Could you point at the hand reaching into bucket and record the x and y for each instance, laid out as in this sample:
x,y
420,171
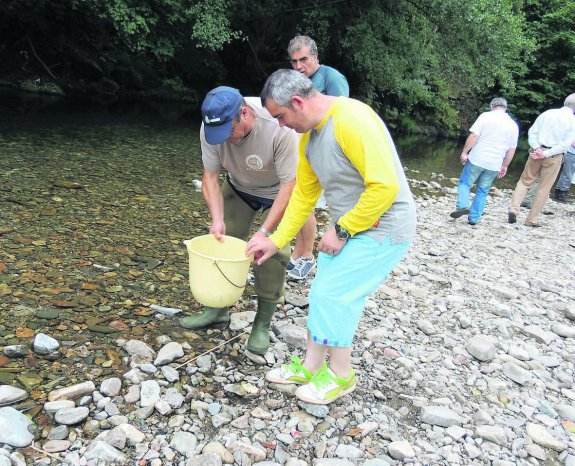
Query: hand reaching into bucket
x,y
261,247
218,229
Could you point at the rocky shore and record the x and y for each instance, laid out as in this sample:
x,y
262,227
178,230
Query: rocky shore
x,y
465,356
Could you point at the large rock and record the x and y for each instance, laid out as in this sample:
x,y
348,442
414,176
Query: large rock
x,y
14,428
481,347
541,436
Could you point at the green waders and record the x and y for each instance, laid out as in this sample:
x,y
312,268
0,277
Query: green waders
x,y
269,278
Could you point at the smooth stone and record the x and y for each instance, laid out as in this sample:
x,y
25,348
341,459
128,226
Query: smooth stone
x,y
481,347
101,451
111,387
541,436
516,373
320,411
55,446
207,459
71,416
170,374
400,450
184,443
564,330
348,451
10,395
133,435
14,428
140,349
149,393
169,353
542,336
44,344
132,395
294,336
566,412
495,434
241,320
536,451
16,351
54,406
220,450
440,416
58,433
72,392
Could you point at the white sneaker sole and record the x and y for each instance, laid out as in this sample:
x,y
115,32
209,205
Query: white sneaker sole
x,y
273,378
301,395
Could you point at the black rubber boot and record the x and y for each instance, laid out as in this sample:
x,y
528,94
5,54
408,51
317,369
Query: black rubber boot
x,y
208,316
561,196
259,340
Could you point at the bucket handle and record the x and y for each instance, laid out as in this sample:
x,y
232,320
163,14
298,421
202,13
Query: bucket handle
x,y
229,281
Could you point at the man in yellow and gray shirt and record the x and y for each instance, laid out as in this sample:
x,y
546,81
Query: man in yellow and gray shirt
x,y
347,150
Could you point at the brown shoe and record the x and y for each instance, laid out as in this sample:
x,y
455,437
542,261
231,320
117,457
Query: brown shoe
x,y
532,225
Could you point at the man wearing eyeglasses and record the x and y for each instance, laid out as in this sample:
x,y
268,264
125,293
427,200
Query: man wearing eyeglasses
x,y
302,51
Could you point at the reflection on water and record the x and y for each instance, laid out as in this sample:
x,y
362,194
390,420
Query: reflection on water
x,y
135,127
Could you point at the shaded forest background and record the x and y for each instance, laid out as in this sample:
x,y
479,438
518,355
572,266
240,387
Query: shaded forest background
x,y
425,65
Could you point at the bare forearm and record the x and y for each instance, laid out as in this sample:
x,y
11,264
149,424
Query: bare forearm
x,y
469,143
508,158
213,197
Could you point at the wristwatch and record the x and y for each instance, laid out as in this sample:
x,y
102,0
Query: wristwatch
x,y
341,232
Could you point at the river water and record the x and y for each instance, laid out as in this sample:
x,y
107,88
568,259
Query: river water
x,y
95,202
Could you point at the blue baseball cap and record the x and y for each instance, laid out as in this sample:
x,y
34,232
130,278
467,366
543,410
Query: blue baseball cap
x,y
219,109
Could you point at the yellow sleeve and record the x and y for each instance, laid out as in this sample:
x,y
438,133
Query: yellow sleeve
x,y
365,142
302,201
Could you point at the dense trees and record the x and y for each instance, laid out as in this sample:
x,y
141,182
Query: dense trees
x,y
423,63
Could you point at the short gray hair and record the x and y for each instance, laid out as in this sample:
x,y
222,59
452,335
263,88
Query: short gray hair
x,y
570,102
298,42
498,102
283,84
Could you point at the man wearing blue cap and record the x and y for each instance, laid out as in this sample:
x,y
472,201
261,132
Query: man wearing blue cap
x,y
260,158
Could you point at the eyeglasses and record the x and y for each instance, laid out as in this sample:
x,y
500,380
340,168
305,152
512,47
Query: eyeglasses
x,y
294,61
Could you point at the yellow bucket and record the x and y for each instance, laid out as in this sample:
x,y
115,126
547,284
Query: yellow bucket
x,y
218,269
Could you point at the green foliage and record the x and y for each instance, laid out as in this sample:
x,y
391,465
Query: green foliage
x,y
212,27
427,57
424,64
550,75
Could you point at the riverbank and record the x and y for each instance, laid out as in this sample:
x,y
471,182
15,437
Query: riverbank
x,y
464,356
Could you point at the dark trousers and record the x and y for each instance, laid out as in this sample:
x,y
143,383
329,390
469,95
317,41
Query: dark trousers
x,y
239,217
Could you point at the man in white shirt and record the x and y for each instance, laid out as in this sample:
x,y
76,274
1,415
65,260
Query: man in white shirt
x,y
487,153
549,138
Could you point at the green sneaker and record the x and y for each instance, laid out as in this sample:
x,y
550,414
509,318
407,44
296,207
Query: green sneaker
x,y
325,387
290,373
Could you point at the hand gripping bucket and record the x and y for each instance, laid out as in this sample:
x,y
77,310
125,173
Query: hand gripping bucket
x,y
218,269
